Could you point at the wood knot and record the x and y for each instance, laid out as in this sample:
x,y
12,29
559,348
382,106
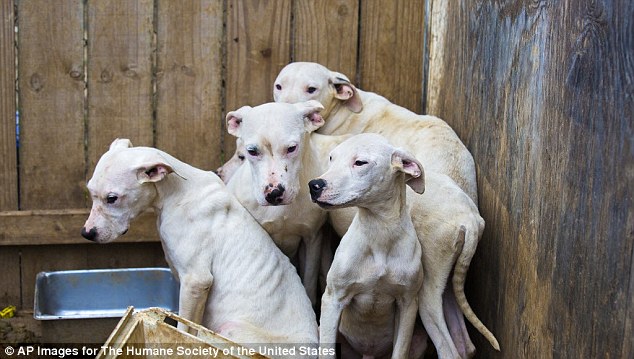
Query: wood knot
x,y
266,52
186,70
129,71
36,82
76,73
105,76
342,10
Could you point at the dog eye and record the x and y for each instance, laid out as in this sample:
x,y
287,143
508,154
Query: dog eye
x,y
292,149
253,151
311,89
278,86
360,163
111,198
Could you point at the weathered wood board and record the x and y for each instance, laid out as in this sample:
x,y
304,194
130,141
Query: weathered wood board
x,y
189,81
120,83
391,50
327,32
541,93
8,156
51,100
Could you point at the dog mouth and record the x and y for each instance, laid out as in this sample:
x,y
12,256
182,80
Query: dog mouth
x,y
323,204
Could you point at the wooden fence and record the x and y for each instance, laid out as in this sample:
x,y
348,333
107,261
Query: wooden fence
x,y
541,93
162,73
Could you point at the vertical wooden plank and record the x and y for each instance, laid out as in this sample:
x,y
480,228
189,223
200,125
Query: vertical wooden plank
x,y
120,45
391,50
628,344
51,60
326,32
189,80
541,94
10,276
258,46
8,156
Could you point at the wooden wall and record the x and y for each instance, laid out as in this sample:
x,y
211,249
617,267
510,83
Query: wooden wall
x,y
542,94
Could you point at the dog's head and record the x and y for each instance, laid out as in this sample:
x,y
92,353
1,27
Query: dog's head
x,y
365,169
275,136
303,81
227,170
122,186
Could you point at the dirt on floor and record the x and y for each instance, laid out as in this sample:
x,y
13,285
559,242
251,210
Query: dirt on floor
x,y
18,330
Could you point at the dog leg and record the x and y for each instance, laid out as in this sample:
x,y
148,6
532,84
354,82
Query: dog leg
x,y
431,312
192,297
404,329
331,309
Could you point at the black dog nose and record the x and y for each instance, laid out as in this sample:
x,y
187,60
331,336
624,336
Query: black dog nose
x,y
90,235
275,196
316,187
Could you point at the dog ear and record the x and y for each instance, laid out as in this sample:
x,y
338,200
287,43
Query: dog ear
x,y
310,110
153,172
408,164
120,143
346,92
234,120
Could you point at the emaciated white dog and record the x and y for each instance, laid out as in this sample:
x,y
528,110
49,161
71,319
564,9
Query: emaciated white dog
x,y
282,155
373,284
233,279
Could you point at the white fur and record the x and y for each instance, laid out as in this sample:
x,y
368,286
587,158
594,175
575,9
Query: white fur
x,y
448,226
269,131
349,110
233,279
373,284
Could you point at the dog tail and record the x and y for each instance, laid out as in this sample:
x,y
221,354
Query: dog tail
x,y
460,273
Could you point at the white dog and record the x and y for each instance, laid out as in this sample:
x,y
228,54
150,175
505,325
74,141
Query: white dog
x,y
282,156
233,279
373,284
449,226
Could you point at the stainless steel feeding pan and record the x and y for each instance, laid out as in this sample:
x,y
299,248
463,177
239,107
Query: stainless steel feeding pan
x,y
84,306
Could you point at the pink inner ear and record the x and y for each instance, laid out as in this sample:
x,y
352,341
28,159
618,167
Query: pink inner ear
x,y
344,92
157,173
233,124
411,168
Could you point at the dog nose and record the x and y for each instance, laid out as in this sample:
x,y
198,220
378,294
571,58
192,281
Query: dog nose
x,y
316,187
89,235
275,196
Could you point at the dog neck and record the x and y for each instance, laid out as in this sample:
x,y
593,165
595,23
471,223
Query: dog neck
x,y
389,209
184,178
312,162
